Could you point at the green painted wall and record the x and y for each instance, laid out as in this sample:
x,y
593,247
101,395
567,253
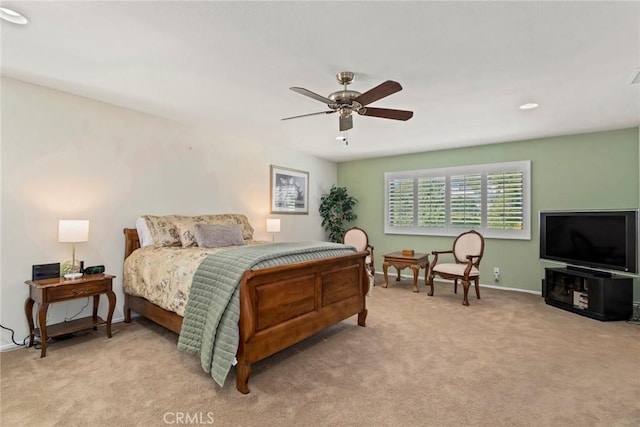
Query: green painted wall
x,y
589,171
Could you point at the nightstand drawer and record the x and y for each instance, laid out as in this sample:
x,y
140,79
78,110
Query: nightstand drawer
x,y
72,291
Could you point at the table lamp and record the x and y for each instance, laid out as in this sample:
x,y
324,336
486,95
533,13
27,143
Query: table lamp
x,y
273,226
73,231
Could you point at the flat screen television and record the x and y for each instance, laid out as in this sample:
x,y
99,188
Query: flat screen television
x,y
605,240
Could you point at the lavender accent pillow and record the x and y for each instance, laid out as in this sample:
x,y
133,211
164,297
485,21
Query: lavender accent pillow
x,y
218,235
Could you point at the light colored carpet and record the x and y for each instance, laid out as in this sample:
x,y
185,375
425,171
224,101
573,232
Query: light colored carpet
x,y
506,360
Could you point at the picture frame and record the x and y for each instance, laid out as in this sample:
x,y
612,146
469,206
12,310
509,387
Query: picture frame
x,y
289,191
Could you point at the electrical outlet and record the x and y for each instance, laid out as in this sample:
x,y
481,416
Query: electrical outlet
x,y
496,273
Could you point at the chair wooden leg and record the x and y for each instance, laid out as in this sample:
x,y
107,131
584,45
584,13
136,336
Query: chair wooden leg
x,y
455,286
430,284
465,285
477,283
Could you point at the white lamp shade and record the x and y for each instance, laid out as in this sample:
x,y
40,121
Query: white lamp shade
x,y
273,225
73,230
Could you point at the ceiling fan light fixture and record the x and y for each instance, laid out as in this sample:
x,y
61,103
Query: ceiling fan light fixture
x,y
346,101
12,16
529,106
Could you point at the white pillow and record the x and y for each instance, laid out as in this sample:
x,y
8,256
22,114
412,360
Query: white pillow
x,y
144,234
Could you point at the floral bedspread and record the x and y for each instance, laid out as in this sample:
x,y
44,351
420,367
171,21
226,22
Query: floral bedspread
x,y
164,275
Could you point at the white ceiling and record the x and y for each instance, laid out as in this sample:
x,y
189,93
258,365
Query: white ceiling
x,y
465,66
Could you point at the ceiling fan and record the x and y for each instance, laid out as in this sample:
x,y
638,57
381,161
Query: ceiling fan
x,y
347,101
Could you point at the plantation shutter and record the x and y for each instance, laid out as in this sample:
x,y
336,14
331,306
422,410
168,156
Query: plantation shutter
x,y
401,202
432,202
505,201
466,200
493,199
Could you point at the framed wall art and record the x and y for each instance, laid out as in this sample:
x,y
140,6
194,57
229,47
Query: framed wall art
x,y
289,191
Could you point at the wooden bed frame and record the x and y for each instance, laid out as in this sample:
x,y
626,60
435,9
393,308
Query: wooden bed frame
x,y
279,306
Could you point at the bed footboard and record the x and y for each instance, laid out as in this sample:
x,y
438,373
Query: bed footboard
x,y
279,306
283,305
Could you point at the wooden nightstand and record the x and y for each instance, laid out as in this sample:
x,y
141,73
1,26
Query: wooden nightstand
x,y
48,291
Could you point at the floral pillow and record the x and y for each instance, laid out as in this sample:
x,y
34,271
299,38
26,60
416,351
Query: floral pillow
x,y
162,229
243,222
240,219
179,230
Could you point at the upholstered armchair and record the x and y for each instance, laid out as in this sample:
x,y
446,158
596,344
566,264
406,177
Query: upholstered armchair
x,y
467,252
359,239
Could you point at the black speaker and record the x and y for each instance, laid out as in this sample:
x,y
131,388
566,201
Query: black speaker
x,y
45,271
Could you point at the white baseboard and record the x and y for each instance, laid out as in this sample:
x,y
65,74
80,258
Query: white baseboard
x,y
502,288
12,346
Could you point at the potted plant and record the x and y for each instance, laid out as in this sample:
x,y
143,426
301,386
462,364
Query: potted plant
x,y
336,208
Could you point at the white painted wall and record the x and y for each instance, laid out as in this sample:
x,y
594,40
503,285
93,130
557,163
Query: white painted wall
x,y
68,157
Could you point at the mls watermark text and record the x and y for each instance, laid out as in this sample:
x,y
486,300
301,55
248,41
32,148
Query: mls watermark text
x,y
188,418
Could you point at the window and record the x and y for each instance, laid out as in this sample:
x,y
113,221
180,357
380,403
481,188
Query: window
x,y
493,199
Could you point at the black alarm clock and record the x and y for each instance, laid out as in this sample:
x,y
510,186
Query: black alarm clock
x,y
94,269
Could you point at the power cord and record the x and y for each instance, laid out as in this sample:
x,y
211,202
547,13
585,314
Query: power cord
x,y
36,340
78,313
635,315
24,342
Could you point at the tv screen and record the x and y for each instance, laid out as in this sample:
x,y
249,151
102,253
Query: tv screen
x,y
601,240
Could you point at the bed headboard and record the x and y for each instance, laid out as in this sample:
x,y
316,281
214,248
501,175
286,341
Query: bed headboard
x,y
131,241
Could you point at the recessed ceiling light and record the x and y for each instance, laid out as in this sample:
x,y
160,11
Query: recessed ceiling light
x,y
528,106
13,16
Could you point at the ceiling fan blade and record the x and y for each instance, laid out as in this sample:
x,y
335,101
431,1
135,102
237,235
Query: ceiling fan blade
x,y
310,114
384,89
346,122
307,92
386,113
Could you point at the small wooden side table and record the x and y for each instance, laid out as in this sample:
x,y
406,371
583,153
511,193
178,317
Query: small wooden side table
x,y
399,261
48,291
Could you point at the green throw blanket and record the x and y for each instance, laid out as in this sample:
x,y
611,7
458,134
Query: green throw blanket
x,y
210,324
